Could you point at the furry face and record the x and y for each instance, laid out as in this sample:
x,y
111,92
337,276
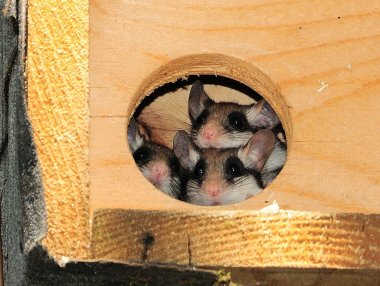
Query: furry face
x,y
226,124
156,162
223,176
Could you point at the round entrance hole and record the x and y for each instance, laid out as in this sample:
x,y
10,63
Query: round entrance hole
x,y
209,130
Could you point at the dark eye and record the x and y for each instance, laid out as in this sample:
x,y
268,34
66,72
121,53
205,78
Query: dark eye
x,y
202,118
142,155
234,168
238,121
199,170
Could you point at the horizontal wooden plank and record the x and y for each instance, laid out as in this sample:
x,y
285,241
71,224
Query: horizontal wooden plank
x,y
238,238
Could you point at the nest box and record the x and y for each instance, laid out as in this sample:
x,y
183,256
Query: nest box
x,y
317,64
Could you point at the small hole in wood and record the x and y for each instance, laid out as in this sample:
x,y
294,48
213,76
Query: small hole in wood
x,y
209,139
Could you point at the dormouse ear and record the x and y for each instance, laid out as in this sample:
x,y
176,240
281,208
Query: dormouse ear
x,y
198,100
262,115
136,134
184,150
256,152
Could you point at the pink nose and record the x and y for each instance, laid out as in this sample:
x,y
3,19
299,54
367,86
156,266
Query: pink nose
x,y
159,172
212,191
209,133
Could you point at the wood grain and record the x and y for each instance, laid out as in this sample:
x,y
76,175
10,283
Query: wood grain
x,y
319,68
332,169
57,71
238,238
333,157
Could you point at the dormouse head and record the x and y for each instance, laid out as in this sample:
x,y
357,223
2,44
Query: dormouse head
x,y
223,176
226,124
157,162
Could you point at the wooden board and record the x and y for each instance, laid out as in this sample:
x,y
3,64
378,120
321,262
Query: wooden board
x,y
238,238
57,76
318,68
329,129
321,77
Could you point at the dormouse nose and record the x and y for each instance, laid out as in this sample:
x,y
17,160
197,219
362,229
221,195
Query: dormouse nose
x,y
159,171
213,188
209,132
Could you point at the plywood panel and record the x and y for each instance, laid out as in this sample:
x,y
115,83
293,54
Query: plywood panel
x,y
333,160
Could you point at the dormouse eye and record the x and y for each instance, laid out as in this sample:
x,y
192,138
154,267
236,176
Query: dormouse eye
x,y
199,170
238,121
234,168
202,118
142,155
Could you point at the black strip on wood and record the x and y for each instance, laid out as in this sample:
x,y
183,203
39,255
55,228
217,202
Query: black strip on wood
x,y
43,271
22,208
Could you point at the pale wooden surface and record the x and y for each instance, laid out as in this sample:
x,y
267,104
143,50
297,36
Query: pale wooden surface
x,y
333,161
57,74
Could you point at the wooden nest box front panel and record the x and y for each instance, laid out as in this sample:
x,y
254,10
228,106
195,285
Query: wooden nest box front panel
x,y
317,64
